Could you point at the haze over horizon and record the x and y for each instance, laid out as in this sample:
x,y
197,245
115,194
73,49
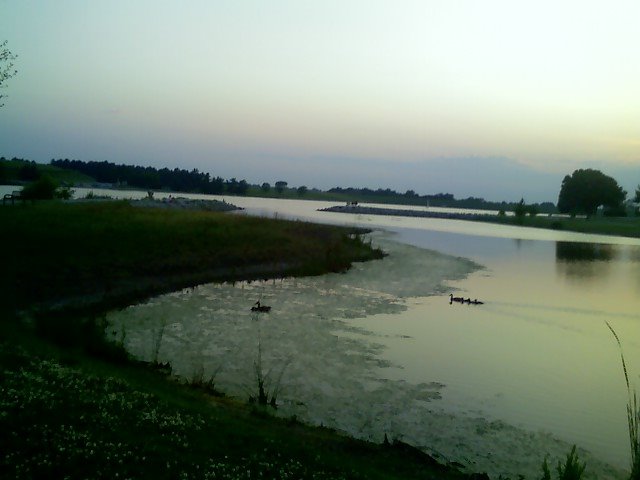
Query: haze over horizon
x,y
492,99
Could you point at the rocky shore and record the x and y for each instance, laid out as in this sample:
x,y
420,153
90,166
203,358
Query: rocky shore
x,y
182,203
406,213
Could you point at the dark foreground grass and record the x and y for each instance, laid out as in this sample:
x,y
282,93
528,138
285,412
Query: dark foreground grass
x,y
66,415
74,406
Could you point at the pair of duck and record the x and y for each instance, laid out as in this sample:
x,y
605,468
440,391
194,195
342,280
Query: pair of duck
x,y
468,301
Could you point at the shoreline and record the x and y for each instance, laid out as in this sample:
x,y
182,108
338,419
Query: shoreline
x,y
626,227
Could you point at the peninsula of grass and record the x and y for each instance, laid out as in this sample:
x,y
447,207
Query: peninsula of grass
x,y
74,406
88,254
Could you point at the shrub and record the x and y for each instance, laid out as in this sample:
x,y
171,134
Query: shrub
x,y
42,189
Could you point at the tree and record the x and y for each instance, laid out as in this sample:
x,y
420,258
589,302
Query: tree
x,y
637,198
586,189
302,190
280,186
520,210
266,187
6,67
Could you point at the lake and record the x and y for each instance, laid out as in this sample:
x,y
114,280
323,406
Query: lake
x,y
380,350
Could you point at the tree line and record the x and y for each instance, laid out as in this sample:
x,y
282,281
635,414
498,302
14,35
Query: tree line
x,y
438,199
151,178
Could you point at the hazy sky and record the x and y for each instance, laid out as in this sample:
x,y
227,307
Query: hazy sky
x,y
498,99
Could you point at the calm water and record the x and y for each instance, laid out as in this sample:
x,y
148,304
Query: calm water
x,y
535,364
538,353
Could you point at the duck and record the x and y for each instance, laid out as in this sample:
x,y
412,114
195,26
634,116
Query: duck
x,y
477,302
260,308
455,299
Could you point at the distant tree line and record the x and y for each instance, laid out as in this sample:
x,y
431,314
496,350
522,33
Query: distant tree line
x,y
151,178
438,199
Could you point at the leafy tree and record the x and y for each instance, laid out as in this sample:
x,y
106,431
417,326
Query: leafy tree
x,y
6,66
280,186
586,189
637,198
302,190
265,187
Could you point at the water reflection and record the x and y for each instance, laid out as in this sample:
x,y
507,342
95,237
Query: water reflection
x,y
573,252
584,262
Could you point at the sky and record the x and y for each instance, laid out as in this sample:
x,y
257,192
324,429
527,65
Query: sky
x,y
498,99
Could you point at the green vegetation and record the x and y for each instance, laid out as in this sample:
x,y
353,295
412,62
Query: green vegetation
x,y
114,252
620,226
66,414
572,469
633,415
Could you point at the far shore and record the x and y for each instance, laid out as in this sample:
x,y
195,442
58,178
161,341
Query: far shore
x,y
615,226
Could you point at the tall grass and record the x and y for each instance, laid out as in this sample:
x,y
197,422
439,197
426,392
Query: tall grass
x,y
572,469
633,414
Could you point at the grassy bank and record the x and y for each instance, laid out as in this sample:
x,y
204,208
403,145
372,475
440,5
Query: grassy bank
x,y
74,406
109,252
619,226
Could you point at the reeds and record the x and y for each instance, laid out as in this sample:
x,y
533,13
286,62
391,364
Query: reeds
x,y
633,414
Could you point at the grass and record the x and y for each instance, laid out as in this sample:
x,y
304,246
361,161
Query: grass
x,y
619,226
633,415
112,252
64,414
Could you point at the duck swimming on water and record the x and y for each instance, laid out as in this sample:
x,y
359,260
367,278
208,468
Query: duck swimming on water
x,y
260,308
455,299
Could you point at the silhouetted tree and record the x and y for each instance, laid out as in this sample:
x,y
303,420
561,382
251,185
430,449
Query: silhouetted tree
x,y
6,67
302,190
265,187
280,186
586,189
637,197
520,210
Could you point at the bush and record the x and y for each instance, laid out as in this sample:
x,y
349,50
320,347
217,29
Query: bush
x,y
42,189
